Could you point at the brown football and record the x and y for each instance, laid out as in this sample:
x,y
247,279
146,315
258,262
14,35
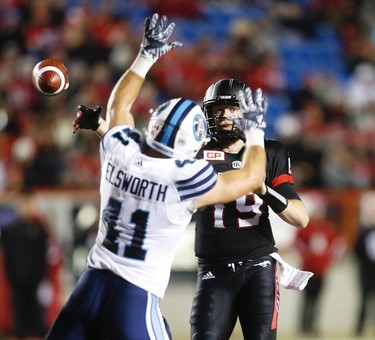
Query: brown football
x,y
50,77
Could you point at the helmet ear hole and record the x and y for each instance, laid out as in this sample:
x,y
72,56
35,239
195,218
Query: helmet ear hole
x,y
212,122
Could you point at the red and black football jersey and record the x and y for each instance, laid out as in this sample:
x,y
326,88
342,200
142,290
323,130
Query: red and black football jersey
x,y
241,228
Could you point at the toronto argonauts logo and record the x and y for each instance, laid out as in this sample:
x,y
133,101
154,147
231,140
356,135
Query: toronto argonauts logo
x,y
199,128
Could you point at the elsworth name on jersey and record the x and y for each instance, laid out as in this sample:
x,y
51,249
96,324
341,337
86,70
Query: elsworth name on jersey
x,y
135,185
146,205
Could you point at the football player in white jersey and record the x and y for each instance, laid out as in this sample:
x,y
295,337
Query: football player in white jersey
x,y
149,190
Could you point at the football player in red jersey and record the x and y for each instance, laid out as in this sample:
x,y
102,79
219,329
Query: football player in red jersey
x,y
233,242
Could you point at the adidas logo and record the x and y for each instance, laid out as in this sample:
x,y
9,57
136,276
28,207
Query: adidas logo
x,y
208,276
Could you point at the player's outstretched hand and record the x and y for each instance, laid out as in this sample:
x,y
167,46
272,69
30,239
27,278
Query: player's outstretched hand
x,y
254,111
155,39
87,118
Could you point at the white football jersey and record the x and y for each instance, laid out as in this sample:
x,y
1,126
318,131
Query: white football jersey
x,y
146,204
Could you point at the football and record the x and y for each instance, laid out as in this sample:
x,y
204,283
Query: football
x,y
50,77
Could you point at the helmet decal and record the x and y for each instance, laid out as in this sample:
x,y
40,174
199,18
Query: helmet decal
x,y
199,128
225,97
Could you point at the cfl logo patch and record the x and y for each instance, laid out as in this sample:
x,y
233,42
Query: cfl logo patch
x,y
214,155
236,164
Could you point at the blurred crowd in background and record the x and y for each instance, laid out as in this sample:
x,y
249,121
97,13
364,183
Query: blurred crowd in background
x,y
313,58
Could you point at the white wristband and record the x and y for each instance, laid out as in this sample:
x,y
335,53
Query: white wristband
x,y
254,137
141,65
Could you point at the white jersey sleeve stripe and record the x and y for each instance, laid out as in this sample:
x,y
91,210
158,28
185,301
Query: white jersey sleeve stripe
x,y
207,168
193,194
197,185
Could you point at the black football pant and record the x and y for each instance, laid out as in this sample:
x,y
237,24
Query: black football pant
x,y
244,289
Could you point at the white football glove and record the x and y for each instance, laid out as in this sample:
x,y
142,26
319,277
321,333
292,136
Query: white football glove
x,y
254,112
156,34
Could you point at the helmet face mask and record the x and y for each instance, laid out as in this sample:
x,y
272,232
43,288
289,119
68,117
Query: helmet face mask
x,y
225,129
177,128
223,92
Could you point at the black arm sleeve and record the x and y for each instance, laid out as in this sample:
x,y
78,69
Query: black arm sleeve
x,y
287,190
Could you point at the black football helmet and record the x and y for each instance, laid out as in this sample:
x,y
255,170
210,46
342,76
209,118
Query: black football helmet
x,y
224,91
